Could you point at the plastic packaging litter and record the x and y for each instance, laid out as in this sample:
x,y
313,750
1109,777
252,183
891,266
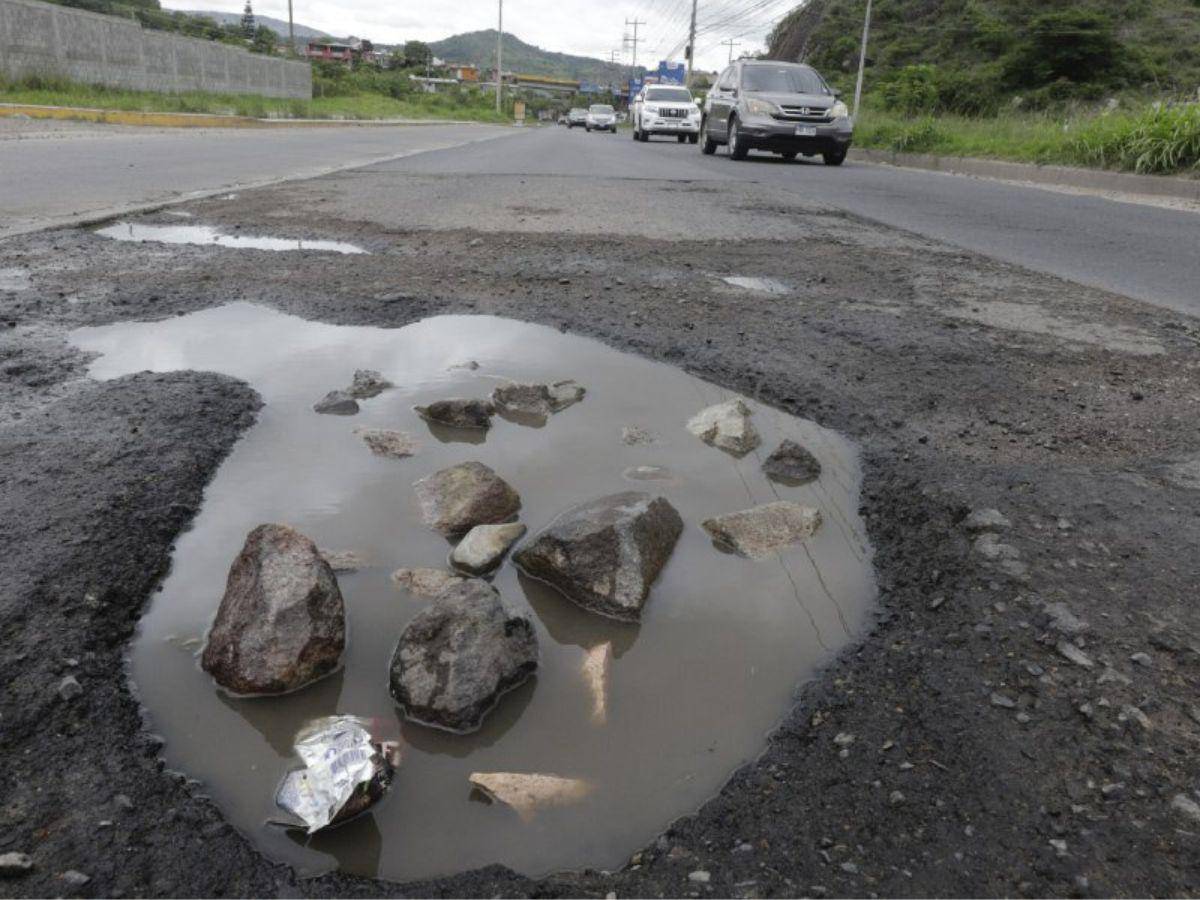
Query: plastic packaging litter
x,y
344,774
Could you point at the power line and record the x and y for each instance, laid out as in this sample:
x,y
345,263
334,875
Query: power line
x,y
731,43
634,41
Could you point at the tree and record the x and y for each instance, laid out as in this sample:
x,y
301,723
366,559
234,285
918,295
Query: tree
x,y
417,53
1076,45
248,22
265,41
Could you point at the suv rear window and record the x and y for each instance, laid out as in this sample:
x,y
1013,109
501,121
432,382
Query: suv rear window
x,y
782,80
678,95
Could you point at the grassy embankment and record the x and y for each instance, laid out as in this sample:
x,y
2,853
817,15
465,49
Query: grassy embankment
x,y
1153,140
343,101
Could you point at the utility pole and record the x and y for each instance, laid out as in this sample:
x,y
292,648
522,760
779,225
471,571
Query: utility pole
x,y
691,47
731,43
500,56
635,40
291,30
862,60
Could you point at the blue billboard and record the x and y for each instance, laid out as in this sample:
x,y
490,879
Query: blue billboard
x,y
671,73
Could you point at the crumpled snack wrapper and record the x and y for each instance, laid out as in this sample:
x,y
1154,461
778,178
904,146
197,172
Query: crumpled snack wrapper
x,y
344,773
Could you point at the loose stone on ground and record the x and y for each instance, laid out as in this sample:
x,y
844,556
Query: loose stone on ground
x,y
726,426
604,555
457,657
282,622
762,530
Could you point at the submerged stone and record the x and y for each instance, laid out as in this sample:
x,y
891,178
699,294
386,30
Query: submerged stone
x,y
282,622
392,444
726,426
760,531
604,555
337,403
528,792
368,383
475,414
425,582
792,464
456,499
537,400
483,547
459,655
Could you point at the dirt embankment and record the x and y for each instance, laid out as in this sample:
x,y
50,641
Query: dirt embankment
x,y
958,749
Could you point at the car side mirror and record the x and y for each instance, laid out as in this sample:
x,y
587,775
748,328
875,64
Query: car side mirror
x,y
733,92
837,95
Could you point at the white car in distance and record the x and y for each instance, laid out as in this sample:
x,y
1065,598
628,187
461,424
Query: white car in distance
x,y
601,117
665,109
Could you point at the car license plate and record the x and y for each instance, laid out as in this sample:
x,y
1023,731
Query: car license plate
x,y
806,131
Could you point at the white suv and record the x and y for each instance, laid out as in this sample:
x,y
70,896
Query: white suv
x,y
664,109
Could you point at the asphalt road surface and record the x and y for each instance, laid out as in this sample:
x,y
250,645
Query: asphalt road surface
x,y
67,172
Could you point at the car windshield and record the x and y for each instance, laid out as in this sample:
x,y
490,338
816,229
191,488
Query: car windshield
x,y
578,111
679,95
601,109
782,80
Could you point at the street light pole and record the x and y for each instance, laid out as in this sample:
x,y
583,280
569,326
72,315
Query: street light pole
x,y
291,30
862,60
691,47
500,56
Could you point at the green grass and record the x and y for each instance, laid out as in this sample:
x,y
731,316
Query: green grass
x,y
1154,140
364,105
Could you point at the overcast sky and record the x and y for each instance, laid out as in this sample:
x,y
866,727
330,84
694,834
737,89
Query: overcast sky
x,y
584,27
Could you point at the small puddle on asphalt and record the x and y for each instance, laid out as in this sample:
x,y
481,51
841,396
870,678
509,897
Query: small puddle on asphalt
x,y
207,236
757,283
691,692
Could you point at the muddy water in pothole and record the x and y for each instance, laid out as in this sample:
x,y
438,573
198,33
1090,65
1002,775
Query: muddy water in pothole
x,y
206,235
692,692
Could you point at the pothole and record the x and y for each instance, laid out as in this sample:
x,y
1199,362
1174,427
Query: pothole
x,y
688,695
207,236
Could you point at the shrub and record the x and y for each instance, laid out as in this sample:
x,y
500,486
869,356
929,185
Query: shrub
x,y
1162,139
912,90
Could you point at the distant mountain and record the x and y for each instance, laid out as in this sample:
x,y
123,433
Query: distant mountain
x,y
479,47
279,26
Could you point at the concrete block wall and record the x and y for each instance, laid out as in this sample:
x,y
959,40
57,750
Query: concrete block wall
x,y
45,39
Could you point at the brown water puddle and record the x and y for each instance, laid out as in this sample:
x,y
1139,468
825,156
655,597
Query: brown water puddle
x,y
691,693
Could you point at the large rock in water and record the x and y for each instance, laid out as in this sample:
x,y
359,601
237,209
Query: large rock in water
x,y
604,555
760,531
792,464
727,426
282,622
484,547
459,655
474,414
456,499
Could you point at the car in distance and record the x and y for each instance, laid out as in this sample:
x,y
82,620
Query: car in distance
x,y
664,109
577,116
780,107
601,117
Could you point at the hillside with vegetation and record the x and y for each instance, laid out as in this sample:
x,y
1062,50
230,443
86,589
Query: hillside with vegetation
x,y
479,47
979,55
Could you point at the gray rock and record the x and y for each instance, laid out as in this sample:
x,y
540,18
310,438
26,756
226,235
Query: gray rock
x,y
1062,620
459,655
604,555
74,879
986,520
424,582
392,444
536,400
565,393
1136,716
475,414
727,426
699,877
69,688
1001,700
343,560
14,865
1142,659
896,798
367,383
484,546
1186,806
635,435
989,547
1074,654
337,403
791,464
282,622
760,531
456,499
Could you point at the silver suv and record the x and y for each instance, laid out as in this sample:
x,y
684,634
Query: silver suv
x,y
780,107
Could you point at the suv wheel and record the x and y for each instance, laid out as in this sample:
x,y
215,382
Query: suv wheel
x,y
836,158
737,149
644,136
707,145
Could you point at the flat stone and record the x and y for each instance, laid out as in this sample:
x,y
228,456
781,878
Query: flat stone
x,y
566,393
1062,620
343,560
762,530
424,582
337,403
792,465
456,499
1186,806
597,664
69,688
458,655
699,877
986,520
536,400
604,555
282,621
727,426
392,444
635,435
1070,652
14,865
474,414
367,383
989,547
484,546
527,793
74,878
